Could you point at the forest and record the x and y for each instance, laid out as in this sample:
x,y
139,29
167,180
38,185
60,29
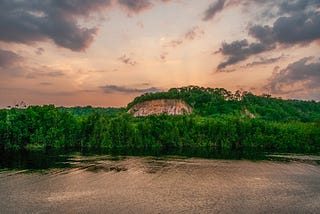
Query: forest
x,y
220,119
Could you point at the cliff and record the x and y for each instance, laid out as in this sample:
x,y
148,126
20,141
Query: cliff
x,y
160,106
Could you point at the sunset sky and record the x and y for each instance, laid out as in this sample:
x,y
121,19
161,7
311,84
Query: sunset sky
x,y
106,52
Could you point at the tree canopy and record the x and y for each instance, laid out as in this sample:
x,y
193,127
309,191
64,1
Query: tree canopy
x,y
220,119
214,102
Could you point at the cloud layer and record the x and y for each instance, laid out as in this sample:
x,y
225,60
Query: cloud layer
x,y
36,20
135,6
295,29
213,9
30,21
304,73
298,23
264,61
108,89
240,50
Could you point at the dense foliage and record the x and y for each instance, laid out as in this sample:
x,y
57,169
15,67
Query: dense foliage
x,y
214,102
219,120
86,111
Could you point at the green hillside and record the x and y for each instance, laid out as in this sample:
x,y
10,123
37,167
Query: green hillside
x,y
220,119
216,102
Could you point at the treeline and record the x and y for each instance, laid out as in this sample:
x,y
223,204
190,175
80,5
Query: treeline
x,y
42,127
214,102
85,111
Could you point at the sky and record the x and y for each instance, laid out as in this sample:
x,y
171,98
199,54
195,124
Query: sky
x,y
106,52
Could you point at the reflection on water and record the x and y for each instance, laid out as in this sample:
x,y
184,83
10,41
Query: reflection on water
x,y
32,160
158,182
37,160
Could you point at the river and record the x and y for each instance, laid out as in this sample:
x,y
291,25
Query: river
x,y
161,184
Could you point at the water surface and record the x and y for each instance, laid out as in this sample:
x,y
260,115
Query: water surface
x,y
161,184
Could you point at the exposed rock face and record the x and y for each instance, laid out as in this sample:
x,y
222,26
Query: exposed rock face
x,y
161,106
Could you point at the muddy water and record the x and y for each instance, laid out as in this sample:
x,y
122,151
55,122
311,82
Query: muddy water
x,y
104,184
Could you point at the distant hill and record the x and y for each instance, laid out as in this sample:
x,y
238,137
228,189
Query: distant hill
x,y
216,102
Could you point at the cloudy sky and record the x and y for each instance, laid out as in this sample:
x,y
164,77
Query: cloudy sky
x,y
106,52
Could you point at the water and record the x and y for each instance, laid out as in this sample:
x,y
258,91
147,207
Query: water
x,y
87,182
38,160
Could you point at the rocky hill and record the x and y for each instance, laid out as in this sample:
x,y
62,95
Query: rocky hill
x,y
160,106
219,102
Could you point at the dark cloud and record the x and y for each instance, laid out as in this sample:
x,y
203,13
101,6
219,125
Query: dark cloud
x,y
138,6
301,28
264,61
298,24
221,5
304,73
262,33
108,89
194,33
296,29
78,7
213,9
135,6
240,50
29,21
127,60
270,8
8,58
297,6
61,21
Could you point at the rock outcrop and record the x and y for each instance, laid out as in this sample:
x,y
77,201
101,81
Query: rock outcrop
x,y
160,106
